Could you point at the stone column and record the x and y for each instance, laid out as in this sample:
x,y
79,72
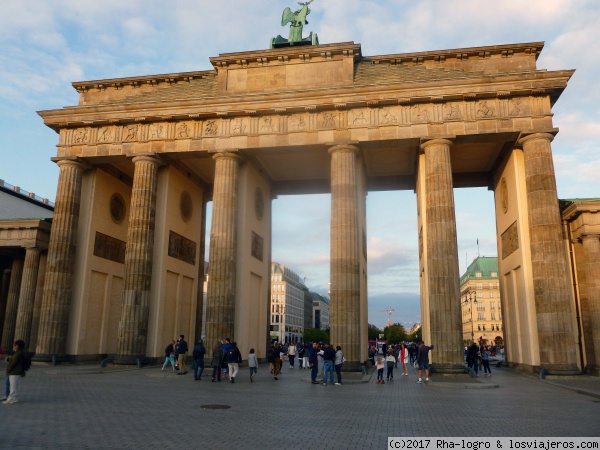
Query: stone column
x,y
12,305
344,315
220,302
552,294
27,295
442,254
4,297
56,300
590,302
37,304
133,326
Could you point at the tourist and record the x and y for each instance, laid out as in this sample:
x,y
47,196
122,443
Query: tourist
x,y
404,359
225,344
281,356
305,363
275,359
485,361
198,355
339,360
300,356
169,356
252,364
328,362
292,354
14,371
313,362
380,365
391,362
181,349
233,358
216,361
473,356
423,360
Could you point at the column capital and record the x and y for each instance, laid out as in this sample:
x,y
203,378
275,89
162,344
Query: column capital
x,y
229,154
149,157
71,161
347,147
534,136
436,141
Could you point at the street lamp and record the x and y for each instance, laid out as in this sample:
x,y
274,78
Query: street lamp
x,y
471,298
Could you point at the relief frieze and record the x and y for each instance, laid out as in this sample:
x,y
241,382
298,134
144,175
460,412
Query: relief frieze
x,y
211,128
388,116
157,131
484,110
359,118
182,248
420,114
510,240
183,131
108,247
268,125
105,134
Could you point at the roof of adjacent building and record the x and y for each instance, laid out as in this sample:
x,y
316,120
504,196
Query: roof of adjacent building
x,y
17,204
485,265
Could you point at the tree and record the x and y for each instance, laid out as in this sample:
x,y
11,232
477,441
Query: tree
x,y
395,333
417,336
315,335
373,332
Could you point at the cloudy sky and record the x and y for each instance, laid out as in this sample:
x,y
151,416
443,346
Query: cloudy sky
x,y
46,45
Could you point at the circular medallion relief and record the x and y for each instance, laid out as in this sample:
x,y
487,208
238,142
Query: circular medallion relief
x,y
504,195
117,208
259,203
185,206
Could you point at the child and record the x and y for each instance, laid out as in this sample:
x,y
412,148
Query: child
x,y
391,362
380,366
252,364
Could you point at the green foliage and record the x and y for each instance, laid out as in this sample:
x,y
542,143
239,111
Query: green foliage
x,y
374,332
314,334
395,333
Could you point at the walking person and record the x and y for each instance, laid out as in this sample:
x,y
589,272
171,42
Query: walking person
x,y
473,359
305,357
380,365
292,350
198,355
181,349
404,359
233,358
328,362
300,356
313,362
169,356
216,361
15,371
423,361
339,360
390,362
485,361
275,359
252,364
225,344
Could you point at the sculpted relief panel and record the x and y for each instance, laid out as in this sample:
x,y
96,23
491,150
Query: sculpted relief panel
x,y
340,117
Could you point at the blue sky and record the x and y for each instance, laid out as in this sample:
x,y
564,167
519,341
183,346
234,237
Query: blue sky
x,y
45,46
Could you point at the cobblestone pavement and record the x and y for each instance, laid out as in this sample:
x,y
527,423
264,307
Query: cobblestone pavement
x,y
84,406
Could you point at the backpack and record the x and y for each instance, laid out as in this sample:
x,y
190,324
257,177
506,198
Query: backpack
x,y
26,363
230,355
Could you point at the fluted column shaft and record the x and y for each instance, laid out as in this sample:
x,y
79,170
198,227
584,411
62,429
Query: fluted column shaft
x,y
60,265
220,302
344,318
4,297
590,301
133,326
12,305
442,254
27,294
554,310
37,304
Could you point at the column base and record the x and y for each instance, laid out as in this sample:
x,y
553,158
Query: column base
x,y
448,368
353,366
129,360
559,369
47,358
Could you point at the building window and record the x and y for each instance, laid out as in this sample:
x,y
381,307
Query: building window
x,y
480,295
480,306
492,294
484,327
480,316
494,274
477,274
491,286
479,286
493,317
493,306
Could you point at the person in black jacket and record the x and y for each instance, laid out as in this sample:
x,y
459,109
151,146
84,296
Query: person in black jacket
x,y
313,362
233,358
181,349
198,355
328,360
15,371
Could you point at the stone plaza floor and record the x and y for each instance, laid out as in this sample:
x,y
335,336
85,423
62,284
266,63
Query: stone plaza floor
x,y
84,406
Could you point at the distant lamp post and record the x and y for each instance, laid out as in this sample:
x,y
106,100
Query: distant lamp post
x,y
471,298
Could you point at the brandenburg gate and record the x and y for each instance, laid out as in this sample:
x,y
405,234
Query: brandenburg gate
x,y
140,158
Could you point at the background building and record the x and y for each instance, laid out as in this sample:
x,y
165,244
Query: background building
x,y
481,304
287,305
320,307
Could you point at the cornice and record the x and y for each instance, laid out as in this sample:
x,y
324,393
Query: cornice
x,y
503,50
503,86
